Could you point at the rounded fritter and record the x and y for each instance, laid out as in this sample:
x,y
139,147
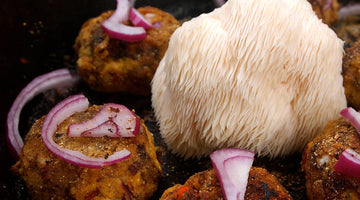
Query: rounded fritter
x,y
351,74
326,10
205,185
319,158
48,177
112,65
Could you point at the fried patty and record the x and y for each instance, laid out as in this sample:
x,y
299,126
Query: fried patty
x,y
112,65
205,185
48,177
351,74
320,156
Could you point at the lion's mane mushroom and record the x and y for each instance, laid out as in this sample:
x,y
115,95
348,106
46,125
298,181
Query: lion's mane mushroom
x,y
263,75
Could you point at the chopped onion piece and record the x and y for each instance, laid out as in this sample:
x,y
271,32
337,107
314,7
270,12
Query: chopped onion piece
x,y
108,128
139,20
59,113
126,122
55,79
115,28
232,166
353,116
238,168
349,163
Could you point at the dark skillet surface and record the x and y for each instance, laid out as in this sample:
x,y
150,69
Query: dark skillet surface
x,y
37,37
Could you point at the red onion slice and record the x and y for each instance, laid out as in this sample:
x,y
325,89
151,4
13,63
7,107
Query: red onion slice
x,y
59,113
127,123
115,28
137,19
237,168
349,163
232,166
353,116
57,78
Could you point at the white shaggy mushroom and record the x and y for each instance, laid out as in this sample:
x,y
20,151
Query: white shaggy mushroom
x,y
263,75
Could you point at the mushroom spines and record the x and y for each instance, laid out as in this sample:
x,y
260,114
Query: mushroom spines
x,y
240,77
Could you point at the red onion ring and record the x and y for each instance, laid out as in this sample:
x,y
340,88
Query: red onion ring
x,y
137,19
56,78
348,163
126,123
115,28
59,113
121,13
353,116
232,167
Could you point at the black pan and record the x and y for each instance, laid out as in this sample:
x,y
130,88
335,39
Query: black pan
x,y
37,37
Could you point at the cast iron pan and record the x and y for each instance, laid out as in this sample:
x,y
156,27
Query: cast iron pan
x,y
37,37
